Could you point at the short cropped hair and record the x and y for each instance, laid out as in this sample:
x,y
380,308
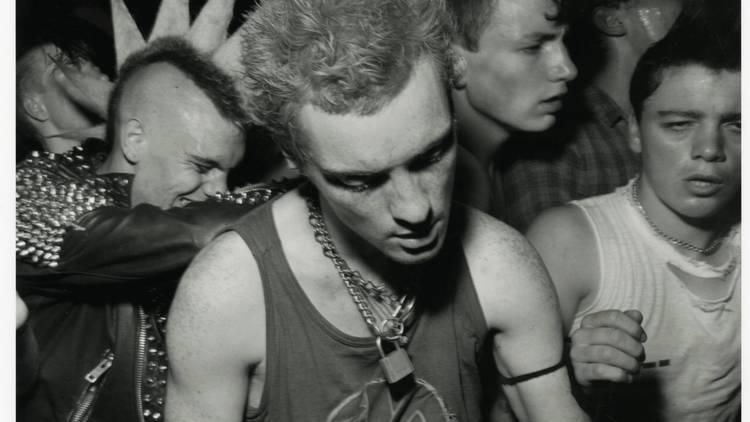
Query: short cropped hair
x,y
214,82
706,44
341,56
471,17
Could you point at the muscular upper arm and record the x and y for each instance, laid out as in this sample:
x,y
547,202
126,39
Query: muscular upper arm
x,y
565,241
216,333
520,306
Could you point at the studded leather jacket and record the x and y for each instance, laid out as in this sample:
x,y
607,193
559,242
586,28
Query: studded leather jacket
x,y
98,277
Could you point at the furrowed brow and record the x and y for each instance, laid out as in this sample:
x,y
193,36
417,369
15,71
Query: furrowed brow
x,y
691,114
207,162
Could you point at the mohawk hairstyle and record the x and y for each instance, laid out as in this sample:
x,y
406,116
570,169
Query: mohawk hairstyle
x,y
216,84
341,56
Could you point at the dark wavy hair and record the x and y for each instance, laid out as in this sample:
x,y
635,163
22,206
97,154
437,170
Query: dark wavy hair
x,y
706,40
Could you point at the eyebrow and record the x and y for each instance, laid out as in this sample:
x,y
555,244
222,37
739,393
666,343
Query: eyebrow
x,y
442,140
205,161
691,114
731,116
540,36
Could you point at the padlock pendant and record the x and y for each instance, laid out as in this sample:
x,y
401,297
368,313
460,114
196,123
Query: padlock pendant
x,y
396,365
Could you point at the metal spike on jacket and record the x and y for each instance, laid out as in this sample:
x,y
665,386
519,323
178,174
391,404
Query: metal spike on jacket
x,y
52,192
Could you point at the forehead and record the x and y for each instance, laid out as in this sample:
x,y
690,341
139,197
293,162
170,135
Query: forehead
x,y
696,88
415,118
179,113
515,19
665,5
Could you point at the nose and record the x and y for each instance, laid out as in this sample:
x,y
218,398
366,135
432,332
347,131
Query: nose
x,y
409,203
709,145
213,182
561,67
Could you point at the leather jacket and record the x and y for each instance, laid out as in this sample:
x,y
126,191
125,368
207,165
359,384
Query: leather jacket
x,y
98,278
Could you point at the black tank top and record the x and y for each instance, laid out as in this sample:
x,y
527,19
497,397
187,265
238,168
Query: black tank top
x,y
315,372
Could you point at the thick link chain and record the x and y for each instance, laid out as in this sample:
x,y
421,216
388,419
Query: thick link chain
x,y
391,328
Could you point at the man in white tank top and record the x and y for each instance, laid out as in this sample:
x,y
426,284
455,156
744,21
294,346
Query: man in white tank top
x,y
648,276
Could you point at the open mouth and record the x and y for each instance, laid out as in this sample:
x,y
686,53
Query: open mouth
x,y
419,241
704,185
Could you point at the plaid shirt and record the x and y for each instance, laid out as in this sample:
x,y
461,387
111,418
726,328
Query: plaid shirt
x,y
589,156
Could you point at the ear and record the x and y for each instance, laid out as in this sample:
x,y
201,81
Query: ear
x,y
460,66
608,20
133,142
634,140
34,108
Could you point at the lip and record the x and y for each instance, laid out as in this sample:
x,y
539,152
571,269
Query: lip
x,y
418,242
553,103
704,184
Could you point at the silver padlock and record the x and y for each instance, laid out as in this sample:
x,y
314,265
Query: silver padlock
x,y
396,365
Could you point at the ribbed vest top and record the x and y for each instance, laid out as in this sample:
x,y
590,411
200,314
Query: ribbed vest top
x,y
316,372
692,367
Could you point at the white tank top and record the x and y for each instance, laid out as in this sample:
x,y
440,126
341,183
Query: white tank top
x,y
692,366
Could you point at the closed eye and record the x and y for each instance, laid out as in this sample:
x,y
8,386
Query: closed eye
x,y
356,183
735,126
434,155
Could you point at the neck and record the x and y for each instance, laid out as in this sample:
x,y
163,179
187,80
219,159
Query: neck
x,y
614,77
361,256
60,145
701,233
477,132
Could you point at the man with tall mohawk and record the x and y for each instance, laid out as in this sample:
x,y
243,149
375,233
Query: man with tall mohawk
x,y
102,239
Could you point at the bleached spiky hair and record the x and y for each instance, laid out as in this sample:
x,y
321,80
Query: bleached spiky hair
x,y
341,56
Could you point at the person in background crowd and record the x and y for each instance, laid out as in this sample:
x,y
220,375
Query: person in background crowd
x,y
512,74
54,57
364,294
658,260
587,153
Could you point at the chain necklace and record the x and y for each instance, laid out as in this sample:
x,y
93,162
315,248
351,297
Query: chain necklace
x,y
635,193
391,326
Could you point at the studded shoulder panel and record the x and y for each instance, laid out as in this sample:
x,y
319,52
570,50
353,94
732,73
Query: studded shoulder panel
x,y
52,192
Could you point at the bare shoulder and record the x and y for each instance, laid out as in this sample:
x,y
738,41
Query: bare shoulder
x,y
560,224
220,298
492,245
567,244
508,274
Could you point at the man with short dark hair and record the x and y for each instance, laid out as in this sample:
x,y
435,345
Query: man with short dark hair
x,y
587,153
512,75
658,260
365,294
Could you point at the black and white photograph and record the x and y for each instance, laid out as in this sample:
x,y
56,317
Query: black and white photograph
x,y
376,210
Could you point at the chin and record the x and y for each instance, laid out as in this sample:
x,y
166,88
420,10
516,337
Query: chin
x,y
539,124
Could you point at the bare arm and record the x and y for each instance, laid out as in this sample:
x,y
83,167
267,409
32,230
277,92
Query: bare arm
x,y
520,306
566,244
216,334
607,346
